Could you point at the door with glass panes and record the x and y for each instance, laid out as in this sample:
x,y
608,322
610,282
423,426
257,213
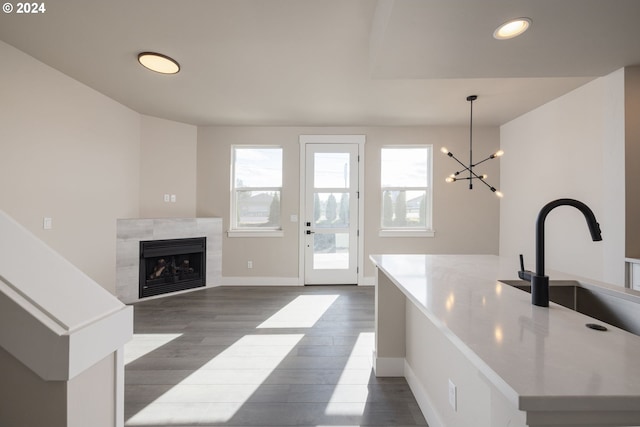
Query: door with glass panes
x,y
331,214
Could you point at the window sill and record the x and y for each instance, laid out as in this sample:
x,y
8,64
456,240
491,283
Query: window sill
x,y
406,233
255,233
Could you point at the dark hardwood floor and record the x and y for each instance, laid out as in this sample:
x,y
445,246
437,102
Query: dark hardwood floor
x,y
261,356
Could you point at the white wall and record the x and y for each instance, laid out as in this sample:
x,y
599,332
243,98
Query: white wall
x,y
21,387
70,153
465,221
570,147
632,158
167,166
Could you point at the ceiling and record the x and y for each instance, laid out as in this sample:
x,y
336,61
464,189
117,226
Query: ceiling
x,y
331,62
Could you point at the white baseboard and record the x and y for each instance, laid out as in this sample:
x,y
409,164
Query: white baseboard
x,y
425,404
260,281
276,281
367,281
388,366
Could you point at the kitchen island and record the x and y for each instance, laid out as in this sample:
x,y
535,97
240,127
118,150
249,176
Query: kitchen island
x,y
476,352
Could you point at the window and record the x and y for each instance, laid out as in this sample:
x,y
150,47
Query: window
x,y
256,189
405,173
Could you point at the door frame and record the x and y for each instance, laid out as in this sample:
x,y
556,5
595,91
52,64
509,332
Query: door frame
x,y
331,139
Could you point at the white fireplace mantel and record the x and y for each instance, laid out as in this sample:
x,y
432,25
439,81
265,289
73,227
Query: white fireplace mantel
x,y
130,232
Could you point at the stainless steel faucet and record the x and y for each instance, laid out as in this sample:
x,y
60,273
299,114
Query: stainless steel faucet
x,y
540,282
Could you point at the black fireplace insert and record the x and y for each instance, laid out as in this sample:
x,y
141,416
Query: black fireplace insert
x,y
172,265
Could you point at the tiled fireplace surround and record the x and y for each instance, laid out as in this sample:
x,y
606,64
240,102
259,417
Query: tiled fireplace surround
x,y
131,231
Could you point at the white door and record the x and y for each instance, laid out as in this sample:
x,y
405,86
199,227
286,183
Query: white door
x,y
330,219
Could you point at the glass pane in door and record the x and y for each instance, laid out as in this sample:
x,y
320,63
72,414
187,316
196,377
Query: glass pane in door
x,y
331,210
331,170
331,251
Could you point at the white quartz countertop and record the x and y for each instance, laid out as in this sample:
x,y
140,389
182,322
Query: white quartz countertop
x,y
540,358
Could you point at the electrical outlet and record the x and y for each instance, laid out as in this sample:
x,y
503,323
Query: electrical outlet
x,y
249,264
173,198
47,223
453,395
166,198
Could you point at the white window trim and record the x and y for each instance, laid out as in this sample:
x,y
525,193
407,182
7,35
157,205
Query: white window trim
x,y
234,231
426,231
409,232
269,232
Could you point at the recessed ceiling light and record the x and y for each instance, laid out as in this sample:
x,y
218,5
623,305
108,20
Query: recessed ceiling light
x,y
512,28
158,63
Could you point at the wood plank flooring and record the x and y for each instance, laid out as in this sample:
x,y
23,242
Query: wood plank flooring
x,y
261,356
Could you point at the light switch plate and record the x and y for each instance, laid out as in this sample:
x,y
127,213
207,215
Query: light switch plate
x,y
166,198
173,198
47,223
453,395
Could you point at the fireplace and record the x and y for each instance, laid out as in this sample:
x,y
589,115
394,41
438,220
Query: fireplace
x,y
172,265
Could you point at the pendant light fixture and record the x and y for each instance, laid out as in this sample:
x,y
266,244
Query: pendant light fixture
x,y
472,174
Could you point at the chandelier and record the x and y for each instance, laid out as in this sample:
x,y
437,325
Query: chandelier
x,y
472,175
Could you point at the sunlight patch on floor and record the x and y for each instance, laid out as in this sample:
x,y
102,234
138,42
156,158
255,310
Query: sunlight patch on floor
x,y
267,352
167,414
142,344
302,312
342,409
348,399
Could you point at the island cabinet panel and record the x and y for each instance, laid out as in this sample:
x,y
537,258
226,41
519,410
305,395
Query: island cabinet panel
x,y
432,361
389,329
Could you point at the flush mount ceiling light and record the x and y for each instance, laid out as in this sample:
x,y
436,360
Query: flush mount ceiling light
x,y
158,63
472,175
512,28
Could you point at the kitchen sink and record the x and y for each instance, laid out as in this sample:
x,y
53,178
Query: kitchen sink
x,y
616,308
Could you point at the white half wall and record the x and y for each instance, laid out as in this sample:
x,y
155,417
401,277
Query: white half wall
x,y
571,147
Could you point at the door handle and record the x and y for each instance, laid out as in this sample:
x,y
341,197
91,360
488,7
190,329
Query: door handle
x,y
311,232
